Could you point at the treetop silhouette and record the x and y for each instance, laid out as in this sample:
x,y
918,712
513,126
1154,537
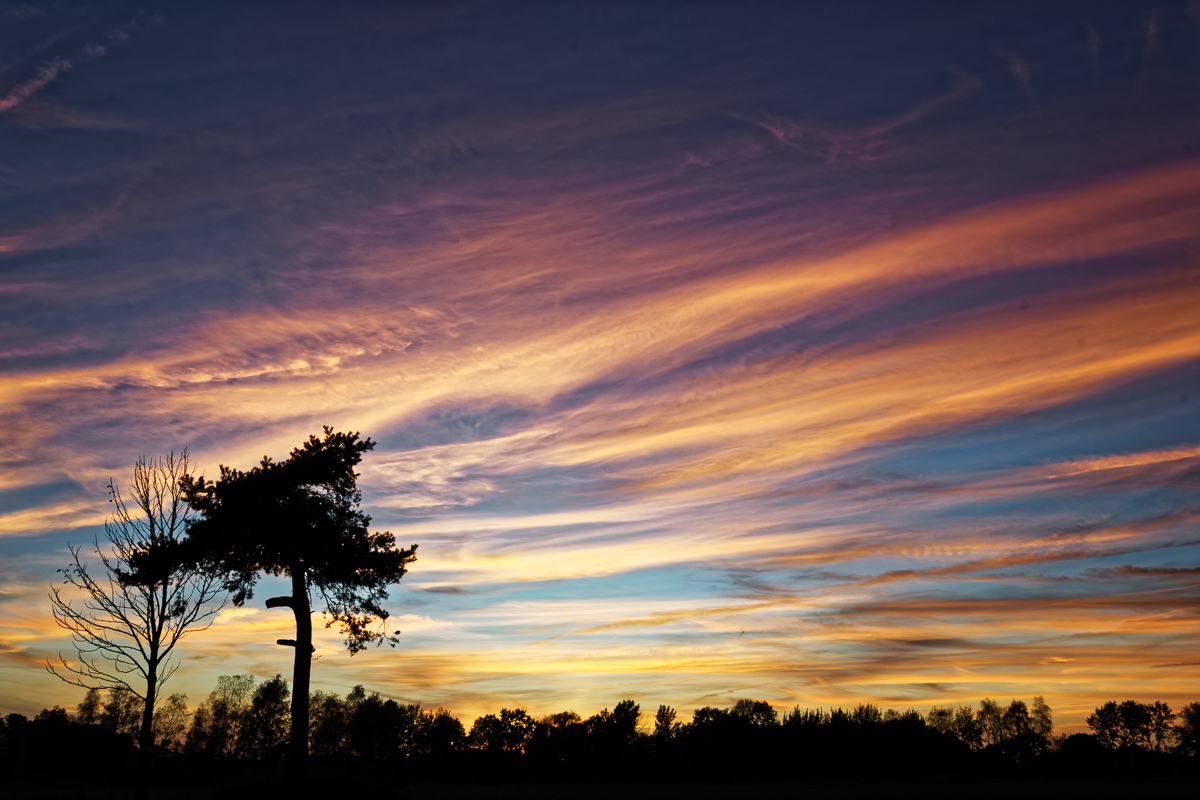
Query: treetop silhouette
x,y
380,742
300,518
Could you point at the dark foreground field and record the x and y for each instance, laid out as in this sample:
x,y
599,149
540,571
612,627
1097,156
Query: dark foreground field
x,y
828,792
924,791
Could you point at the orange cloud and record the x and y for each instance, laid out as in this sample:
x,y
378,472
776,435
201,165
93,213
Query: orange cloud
x,y
687,456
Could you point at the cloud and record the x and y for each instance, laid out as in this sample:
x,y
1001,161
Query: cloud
x,y
1129,571
453,474
51,69
1019,68
667,617
20,11
59,516
1144,459
21,655
743,425
866,144
807,424
44,348
46,73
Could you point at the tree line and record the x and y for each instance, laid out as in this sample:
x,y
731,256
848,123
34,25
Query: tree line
x,y
178,547
243,727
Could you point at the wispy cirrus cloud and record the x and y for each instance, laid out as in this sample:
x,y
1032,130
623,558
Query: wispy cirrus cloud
x,y
867,144
52,68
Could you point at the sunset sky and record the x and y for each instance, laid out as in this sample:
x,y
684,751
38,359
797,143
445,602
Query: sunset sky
x,y
813,353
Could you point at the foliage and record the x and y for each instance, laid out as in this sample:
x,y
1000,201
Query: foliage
x,y
757,713
509,732
991,721
561,719
959,722
1134,725
171,722
365,725
264,726
300,517
1042,720
122,712
616,729
217,723
665,726
1188,730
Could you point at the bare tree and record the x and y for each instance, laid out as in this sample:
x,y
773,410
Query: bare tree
x,y
126,629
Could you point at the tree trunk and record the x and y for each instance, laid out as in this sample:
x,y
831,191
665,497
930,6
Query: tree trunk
x,y
297,751
141,780
298,744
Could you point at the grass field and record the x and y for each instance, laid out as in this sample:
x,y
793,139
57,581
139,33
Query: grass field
x,y
976,791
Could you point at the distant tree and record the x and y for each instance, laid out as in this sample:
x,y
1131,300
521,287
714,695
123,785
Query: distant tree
x,y
408,724
990,719
1015,721
941,719
1135,721
1106,726
1187,732
804,720
865,713
1042,719
665,726
487,734
708,734
1160,727
300,518
329,724
967,728
54,717
217,723
198,741
379,728
440,733
264,725
909,717
88,711
171,722
756,713
509,732
126,629
122,713
1125,724
561,719
958,722
618,727
705,717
